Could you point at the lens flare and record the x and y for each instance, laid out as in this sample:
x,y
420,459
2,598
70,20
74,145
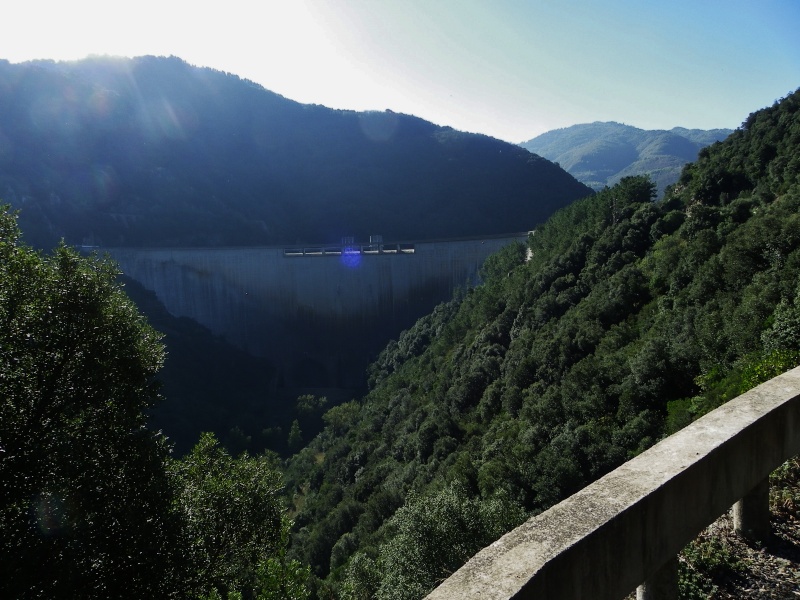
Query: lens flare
x,y
351,257
378,126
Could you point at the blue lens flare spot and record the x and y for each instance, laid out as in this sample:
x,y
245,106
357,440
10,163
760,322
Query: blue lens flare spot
x,y
351,257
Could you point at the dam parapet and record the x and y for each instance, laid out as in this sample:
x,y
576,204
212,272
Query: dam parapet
x,y
375,246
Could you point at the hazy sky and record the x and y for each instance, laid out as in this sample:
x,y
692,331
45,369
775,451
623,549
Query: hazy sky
x,y
508,68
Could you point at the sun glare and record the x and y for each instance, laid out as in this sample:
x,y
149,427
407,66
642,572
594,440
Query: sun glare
x,y
508,71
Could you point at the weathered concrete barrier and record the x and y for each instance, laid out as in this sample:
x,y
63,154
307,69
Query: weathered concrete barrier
x,y
627,528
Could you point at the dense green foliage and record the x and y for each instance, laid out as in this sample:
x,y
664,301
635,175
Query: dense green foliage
x,y
629,319
429,538
234,532
155,152
83,508
91,503
600,154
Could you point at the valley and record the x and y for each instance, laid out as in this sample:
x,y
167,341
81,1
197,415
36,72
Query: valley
x,y
234,391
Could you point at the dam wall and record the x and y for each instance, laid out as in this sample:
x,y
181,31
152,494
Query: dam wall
x,y
320,314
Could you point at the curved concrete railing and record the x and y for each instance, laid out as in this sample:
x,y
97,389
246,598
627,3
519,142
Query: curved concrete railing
x,y
625,529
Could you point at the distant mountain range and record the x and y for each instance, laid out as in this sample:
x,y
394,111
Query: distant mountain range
x,y
156,152
600,154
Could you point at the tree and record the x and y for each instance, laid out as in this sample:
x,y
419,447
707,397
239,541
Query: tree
x,y
309,404
295,439
235,536
84,496
91,505
431,537
279,578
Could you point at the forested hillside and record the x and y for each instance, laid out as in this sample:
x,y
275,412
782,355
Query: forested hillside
x,y
630,318
155,152
600,154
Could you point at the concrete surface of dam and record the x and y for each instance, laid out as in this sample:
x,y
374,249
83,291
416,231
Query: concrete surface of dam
x,y
320,314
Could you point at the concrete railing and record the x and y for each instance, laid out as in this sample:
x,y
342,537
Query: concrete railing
x,y
626,529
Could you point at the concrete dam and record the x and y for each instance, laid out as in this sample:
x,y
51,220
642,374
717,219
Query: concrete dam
x,y
319,314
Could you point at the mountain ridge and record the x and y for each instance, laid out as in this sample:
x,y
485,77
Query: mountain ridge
x,y
603,152
153,151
